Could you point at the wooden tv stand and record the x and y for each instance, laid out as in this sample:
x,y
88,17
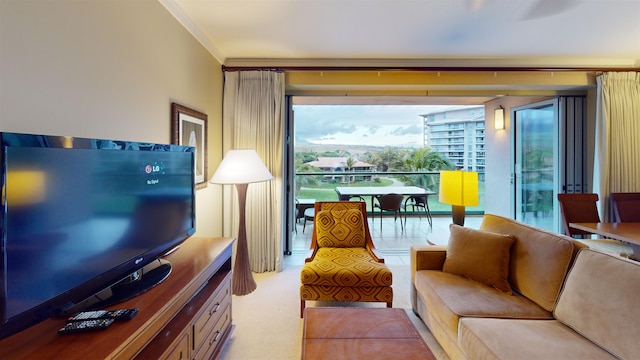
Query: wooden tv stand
x,y
187,316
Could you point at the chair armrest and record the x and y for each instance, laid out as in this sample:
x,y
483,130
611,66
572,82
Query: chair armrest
x,y
311,255
375,253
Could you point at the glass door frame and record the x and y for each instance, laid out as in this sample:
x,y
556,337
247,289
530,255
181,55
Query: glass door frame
x,y
516,166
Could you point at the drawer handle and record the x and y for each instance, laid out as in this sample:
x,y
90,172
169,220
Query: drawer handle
x,y
214,310
215,338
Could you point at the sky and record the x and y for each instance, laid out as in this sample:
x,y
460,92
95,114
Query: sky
x,y
378,125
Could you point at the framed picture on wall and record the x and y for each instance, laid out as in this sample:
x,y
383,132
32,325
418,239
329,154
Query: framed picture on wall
x,y
189,127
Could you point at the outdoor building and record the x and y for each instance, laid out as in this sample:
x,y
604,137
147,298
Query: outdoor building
x,y
341,164
458,135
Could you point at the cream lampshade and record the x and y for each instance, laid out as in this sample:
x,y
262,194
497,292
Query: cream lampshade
x,y
460,189
240,168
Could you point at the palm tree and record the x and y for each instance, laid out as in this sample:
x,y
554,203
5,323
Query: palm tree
x,y
426,159
349,164
390,159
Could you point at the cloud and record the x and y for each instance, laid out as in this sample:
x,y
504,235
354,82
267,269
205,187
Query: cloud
x,y
373,129
324,130
407,130
361,124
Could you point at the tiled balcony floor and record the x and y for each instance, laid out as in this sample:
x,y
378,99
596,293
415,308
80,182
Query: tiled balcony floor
x,y
392,242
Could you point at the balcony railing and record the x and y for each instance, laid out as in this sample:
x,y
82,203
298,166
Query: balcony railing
x,y
322,188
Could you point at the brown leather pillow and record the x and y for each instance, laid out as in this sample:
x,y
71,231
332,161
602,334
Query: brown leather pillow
x,y
479,255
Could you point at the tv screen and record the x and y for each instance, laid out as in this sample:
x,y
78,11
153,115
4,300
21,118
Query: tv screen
x,y
79,215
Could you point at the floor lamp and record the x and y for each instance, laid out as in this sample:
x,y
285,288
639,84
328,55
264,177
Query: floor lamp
x,y
460,189
240,168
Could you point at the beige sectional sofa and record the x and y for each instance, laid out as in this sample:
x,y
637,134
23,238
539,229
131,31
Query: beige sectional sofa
x,y
561,300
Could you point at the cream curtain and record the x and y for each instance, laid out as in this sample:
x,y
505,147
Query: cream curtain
x,y
253,118
617,145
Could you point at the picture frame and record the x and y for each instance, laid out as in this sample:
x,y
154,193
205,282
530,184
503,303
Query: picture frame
x,y
189,127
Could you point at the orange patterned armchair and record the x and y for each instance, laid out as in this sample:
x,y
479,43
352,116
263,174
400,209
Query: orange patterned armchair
x,y
343,265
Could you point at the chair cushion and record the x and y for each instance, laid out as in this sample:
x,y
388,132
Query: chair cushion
x,y
340,229
479,255
353,267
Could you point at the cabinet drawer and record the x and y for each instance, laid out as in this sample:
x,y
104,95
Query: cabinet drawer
x,y
211,313
211,341
180,350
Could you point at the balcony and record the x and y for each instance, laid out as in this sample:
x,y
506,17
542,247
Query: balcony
x,y
324,190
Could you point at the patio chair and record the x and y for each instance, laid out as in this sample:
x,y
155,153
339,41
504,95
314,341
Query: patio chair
x,y
389,202
419,202
309,214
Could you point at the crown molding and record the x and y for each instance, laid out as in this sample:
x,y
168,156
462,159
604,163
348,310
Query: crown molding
x,y
195,31
439,64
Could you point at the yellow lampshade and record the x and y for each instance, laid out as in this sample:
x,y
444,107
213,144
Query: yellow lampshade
x,y
459,188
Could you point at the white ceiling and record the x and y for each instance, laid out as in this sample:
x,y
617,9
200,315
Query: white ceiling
x,y
517,33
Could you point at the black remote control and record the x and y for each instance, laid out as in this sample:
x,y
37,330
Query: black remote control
x,y
85,326
120,315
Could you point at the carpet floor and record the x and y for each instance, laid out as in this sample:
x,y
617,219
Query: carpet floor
x,y
268,323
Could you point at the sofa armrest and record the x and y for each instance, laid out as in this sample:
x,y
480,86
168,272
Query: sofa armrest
x,y
424,257
427,257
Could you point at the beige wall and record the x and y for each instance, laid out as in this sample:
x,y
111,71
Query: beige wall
x,y
107,69
498,154
498,150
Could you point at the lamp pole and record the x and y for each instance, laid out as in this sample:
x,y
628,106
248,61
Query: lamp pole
x,y
242,281
240,167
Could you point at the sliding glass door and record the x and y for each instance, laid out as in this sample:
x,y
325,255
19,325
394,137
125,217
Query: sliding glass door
x,y
535,164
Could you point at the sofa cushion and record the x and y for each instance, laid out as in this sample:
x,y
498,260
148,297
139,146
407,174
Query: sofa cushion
x,y
524,339
479,255
539,259
600,301
340,228
347,267
450,297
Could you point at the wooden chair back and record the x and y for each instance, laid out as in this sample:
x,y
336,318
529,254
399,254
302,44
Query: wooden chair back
x,y
576,208
626,206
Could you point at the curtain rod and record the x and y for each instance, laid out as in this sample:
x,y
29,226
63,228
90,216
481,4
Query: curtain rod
x,y
428,69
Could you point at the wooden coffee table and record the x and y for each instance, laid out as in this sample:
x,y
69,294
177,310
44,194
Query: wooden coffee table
x,y
361,333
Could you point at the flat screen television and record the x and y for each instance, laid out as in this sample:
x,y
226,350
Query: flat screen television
x,y
85,222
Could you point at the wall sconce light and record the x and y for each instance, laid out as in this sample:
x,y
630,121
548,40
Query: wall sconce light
x,y
498,118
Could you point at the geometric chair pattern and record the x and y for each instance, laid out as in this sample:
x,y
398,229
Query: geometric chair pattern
x,y
343,265
340,229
